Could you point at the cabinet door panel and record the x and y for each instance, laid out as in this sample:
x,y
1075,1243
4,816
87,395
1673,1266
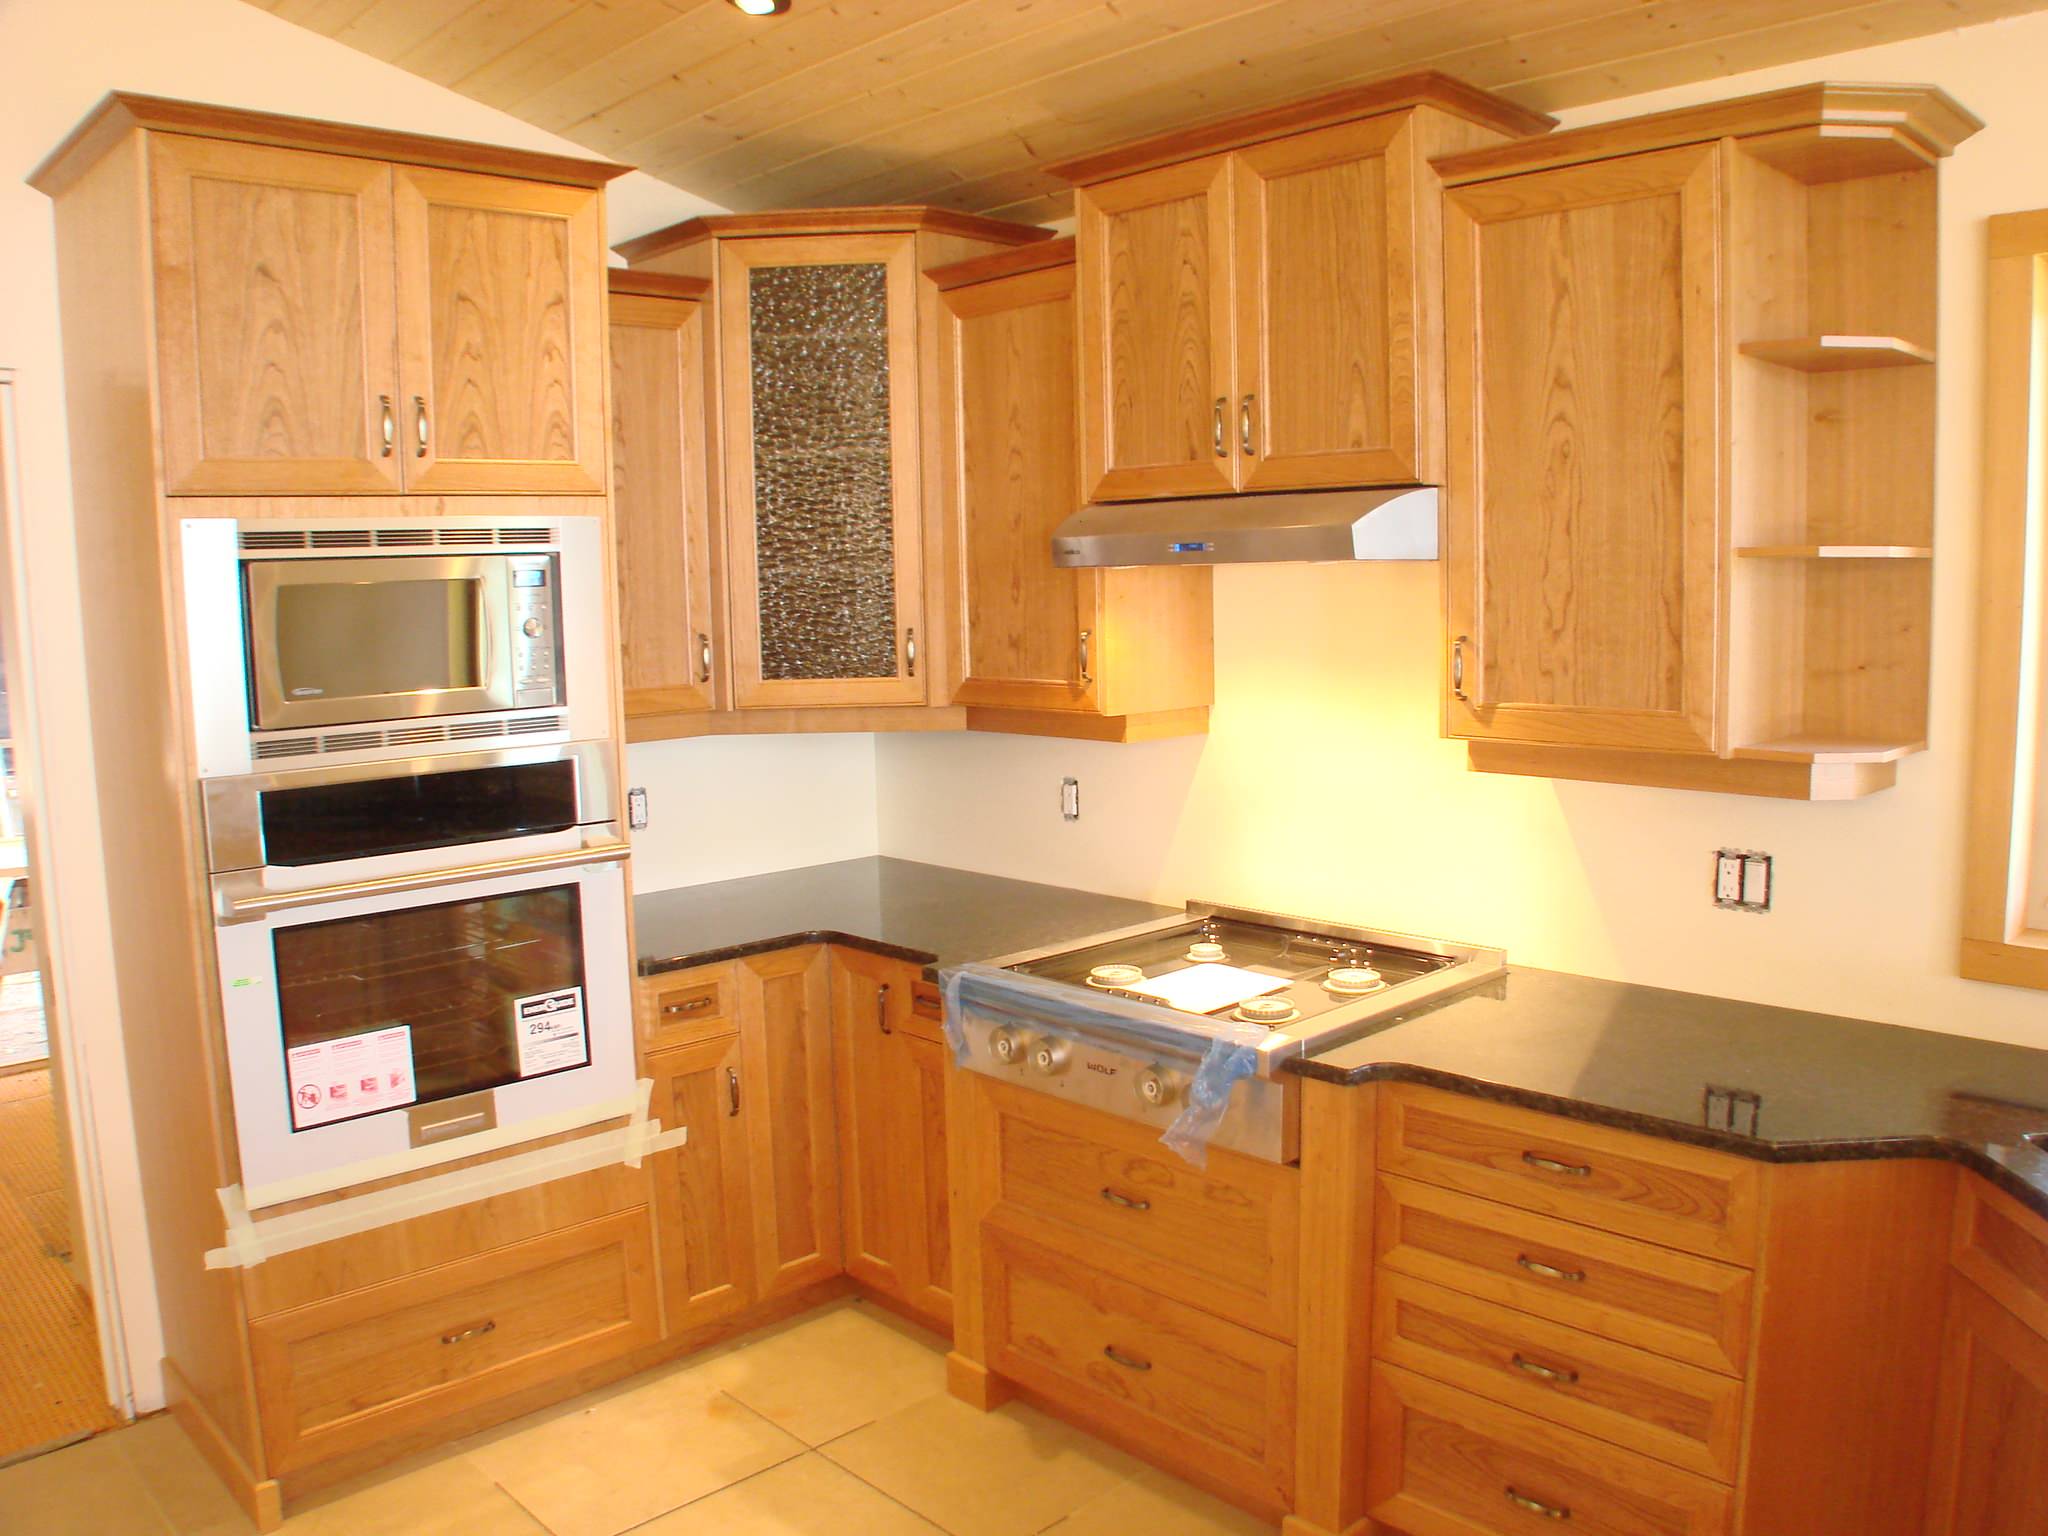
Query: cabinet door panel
x,y
786,1099
1584,403
1990,1475
870,1002
500,325
819,380
931,1271
661,505
1154,282
702,1198
276,338
1325,236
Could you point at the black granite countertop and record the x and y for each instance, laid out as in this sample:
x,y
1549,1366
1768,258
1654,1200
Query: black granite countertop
x,y
1770,1083
917,912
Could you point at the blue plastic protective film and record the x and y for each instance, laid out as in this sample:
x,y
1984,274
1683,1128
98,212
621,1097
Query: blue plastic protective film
x,y
1225,1050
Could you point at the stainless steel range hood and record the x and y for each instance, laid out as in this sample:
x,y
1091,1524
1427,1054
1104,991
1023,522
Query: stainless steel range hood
x,y
1381,523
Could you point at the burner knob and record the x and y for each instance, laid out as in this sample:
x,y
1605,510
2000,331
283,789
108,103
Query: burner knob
x,y
1049,1055
1157,1089
1004,1045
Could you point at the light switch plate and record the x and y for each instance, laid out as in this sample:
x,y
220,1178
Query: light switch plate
x,y
636,809
1742,880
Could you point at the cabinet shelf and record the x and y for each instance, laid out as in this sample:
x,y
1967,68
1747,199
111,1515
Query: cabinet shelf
x,y
1827,749
1834,552
1835,354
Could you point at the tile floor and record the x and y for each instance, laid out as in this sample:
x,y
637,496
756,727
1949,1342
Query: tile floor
x,y
837,1424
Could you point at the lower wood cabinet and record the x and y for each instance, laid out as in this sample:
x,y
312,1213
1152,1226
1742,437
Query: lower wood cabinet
x,y
787,1101
703,1189
1990,1473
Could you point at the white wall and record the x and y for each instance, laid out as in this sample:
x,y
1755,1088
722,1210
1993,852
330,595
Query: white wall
x,y
58,57
1324,789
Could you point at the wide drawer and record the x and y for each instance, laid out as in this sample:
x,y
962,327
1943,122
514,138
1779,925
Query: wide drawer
x,y
1661,1191
1446,1463
1678,1413
683,1007
1209,1397
1676,1304
339,1375
2003,1246
1224,1238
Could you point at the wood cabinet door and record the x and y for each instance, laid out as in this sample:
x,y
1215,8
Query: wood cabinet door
x,y
1584,405
786,1100
870,1005
1153,274
818,376
1990,1471
661,505
703,1206
1327,321
930,1275
277,352
501,333
1033,630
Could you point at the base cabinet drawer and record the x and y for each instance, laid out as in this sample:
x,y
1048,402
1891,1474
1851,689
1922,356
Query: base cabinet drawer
x,y
338,1375
1205,1394
1446,1463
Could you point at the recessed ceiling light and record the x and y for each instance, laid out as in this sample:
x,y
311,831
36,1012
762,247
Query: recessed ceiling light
x,y
761,7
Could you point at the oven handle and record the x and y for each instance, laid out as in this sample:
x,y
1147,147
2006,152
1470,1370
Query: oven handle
x,y
231,908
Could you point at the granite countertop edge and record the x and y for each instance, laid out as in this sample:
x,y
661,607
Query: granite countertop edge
x,y
662,965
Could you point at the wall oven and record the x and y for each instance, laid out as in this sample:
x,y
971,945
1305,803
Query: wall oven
x,y
316,641
418,960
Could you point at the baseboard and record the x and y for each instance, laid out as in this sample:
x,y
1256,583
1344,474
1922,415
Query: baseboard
x,y
975,1384
262,1499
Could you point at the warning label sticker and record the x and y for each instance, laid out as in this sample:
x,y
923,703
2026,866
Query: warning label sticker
x,y
350,1075
551,1031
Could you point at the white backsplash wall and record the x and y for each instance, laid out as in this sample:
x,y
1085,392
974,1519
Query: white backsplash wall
x,y
1324,788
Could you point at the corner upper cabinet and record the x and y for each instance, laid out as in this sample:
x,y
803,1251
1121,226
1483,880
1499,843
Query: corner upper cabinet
x,y
1257,296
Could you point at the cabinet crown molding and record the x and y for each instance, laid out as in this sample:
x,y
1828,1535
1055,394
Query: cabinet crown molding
x,y
656,285
907,218
1044,255
120,111
1418,88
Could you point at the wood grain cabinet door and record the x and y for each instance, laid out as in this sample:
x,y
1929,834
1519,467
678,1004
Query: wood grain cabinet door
x,y
1990,1472
1326,304
930,1277
1584,403
1157,381
870,1004
276,342
703,1205
661,505
500,304
787,1102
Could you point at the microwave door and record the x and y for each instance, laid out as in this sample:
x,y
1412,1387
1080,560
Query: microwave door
x,y
337,641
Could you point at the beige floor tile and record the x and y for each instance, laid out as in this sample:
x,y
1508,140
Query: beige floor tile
x,y
449,1498
1158,1505
87,1489
834,1372
1009,1473
190,1495
630,1457
805,1497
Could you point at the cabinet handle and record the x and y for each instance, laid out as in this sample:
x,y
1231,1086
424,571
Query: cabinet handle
x,y
1537,1506
388,424
910,653
1115,1198
882,1008
1550,1271
471,1333
1244,425
419,424
1086,676
732,1091
703,658
692,1005
1458,667
1552,1165
1129,1362
1222,443
1543,1372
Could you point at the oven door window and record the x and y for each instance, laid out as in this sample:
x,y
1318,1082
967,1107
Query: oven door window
x,y
430,1002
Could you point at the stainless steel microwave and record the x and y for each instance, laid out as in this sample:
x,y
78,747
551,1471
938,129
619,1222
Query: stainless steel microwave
x,y
310,641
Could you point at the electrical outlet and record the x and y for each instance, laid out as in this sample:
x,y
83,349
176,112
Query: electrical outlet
x,y
636,809
1742,880
1070,799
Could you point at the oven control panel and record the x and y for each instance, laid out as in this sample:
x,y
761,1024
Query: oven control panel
x,y
536,647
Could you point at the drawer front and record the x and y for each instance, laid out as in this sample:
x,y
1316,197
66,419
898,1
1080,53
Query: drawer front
x,y
1446,1463
1677,1413
342,1374
1203,1393
1224,1238
2003,1246
927,1012
1663,1192
683,1007
1675,1304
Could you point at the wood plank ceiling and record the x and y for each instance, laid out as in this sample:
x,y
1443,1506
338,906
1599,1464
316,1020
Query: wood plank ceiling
x,y
957,102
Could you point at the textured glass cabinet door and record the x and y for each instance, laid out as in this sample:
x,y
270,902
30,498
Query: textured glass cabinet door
x,y
821,423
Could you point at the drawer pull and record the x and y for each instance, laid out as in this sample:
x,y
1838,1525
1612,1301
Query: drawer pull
x,y
471,1333
1543,1372
1550,1271
1552,1165
1537,1506
693,1005
882,1009
1129,1362
1116,1198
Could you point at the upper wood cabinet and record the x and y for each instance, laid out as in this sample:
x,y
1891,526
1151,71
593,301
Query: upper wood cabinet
x,y
1120,654
1258,297
334,324
670,636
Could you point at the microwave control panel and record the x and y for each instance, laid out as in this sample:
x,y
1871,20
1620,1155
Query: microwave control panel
x,y
536,649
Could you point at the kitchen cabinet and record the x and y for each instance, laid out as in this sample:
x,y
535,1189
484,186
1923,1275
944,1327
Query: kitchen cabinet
x,y
335,325
1116,654
670,633
1690,401
1258,297
787,1100
703,1189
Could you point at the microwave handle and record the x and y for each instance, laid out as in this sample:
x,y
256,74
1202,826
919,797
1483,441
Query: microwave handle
x,y
232,907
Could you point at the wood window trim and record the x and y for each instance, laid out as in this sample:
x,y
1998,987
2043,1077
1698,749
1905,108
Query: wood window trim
x,y
2004,804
